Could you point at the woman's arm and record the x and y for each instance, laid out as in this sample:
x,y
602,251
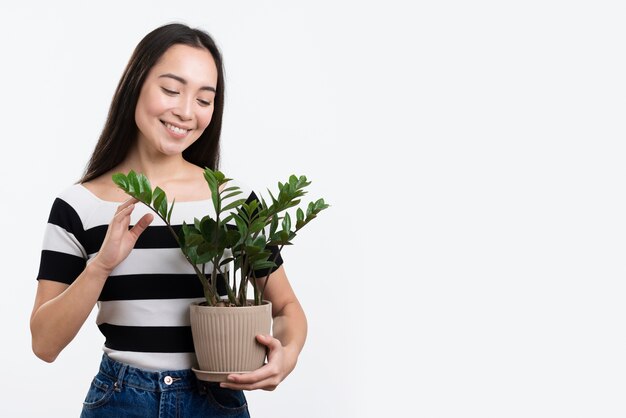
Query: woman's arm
x,y
289,329
60,310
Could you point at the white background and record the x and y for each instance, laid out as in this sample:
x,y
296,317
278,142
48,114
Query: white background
x,y
471,264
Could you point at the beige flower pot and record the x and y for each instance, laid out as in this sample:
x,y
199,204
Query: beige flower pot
x,y
224,339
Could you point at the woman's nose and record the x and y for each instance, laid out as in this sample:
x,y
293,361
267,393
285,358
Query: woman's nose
x,y
184,109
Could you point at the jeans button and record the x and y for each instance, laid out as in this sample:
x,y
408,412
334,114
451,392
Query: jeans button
x,y
168,380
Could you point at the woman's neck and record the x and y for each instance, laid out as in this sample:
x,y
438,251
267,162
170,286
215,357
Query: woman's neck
x,y
172,173
157,167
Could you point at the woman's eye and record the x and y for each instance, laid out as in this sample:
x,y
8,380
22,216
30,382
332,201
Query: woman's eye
x,y
168,91
204,102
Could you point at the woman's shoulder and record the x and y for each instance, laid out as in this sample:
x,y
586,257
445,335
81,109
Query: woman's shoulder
x,y
86,194
76,204
75,195
103,188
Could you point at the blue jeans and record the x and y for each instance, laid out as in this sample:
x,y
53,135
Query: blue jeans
x,y
121,391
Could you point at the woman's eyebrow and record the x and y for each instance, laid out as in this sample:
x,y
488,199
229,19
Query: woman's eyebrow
x,y
183,81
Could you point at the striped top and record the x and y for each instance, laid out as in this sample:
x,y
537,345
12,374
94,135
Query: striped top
x,y
143,310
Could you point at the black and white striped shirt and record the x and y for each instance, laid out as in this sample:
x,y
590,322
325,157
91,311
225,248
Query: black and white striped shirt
x,y
144,305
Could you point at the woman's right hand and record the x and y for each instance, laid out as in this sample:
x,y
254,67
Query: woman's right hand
x,y
119,240
60,310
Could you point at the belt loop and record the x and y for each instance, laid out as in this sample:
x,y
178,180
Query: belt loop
x,y
120,377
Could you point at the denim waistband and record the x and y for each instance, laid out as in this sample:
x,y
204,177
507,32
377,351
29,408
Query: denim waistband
x,y
154,381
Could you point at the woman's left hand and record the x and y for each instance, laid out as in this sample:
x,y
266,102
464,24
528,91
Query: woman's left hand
x,y
279,364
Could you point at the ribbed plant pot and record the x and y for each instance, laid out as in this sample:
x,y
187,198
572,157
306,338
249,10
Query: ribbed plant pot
x,y
224,339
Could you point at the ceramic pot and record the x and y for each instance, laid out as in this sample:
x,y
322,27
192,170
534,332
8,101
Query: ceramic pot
x,y
224,339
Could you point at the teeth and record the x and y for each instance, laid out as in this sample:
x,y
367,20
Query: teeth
x,y
175,129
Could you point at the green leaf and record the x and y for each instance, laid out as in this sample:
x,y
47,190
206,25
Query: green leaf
x,y
262,265
215,197
229,195
231,188
157,196
293,182
169,214
241,225
192,254
145,189
273,225
263,203
321,205
251,208
159,199
300,219
257,226
193,239
133,184
260,241
181,239
226,261
204,258
220,177
234,204
208,227
212,182
232,237
209,176
252,251
206,250
287,222
241,213
121,181
299,215
274,201
302,182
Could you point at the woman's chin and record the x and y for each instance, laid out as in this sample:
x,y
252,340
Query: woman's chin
x,y
171,150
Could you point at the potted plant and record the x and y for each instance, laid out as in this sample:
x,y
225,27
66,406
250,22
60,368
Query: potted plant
x,y
234,243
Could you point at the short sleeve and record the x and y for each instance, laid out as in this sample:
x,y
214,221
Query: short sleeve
x,y
63,257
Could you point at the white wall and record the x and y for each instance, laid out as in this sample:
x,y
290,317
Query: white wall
x,y
473,154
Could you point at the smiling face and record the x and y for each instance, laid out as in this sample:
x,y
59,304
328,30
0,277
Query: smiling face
x,y
175,104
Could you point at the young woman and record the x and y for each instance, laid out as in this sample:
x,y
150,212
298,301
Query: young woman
x,y
164,121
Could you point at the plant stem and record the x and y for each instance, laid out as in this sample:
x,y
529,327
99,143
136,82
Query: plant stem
x,y
210,296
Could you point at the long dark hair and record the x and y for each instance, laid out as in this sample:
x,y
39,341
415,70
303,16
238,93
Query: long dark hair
x,y
120,129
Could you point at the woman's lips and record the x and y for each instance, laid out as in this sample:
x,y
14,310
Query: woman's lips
x,y
176,131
